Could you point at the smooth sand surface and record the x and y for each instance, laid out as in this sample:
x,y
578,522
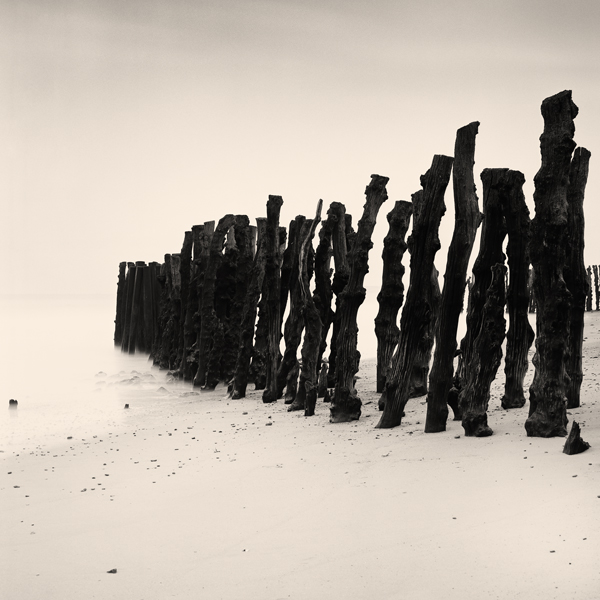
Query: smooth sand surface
x,y
197,496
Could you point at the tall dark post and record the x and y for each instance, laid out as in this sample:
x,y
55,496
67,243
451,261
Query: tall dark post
x,y
121,301
209,327
493,232
312,322
294,324
186,274
520,334
345,404
246,337
323,294
467,219
487,354
596,286
240,267
190,333
272,295
391,295
148,308
416,314
589,297
136,326
575,274
549,243
339,239
128,302
420,370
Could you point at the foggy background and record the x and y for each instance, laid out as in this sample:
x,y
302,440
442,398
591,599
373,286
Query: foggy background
x,y
122,124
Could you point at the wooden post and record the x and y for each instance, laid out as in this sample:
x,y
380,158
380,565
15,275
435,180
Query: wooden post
x,y
272,294
520,334
190,333
312,322
391,295
323,294
590,294
148,308
289,263
416,314
485,359
420,371
136,341
574,443
596,286
175,320
291,388
154,270
246,336
575,274
241,278
530,291
121,301
548,406
185,274
129,284
209,322
345,405
161,353
294,324
339,238
467,219
493,232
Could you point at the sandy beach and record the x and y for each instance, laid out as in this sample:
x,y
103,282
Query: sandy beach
x,y
191,495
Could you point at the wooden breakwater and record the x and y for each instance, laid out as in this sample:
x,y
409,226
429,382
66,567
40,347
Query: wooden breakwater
x,y
216,311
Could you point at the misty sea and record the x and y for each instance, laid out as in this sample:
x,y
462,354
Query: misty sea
x,y
58,359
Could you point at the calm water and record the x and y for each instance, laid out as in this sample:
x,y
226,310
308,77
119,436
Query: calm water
x,y
58,361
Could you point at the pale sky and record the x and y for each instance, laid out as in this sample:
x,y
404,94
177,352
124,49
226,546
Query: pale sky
x,y
124,123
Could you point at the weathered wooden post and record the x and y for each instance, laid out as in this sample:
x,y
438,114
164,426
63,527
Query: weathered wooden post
x,y
575,274
391,295
416,314
186,274
339,238
294,324
520,334
323,294
272,295
240,265
548,406
209,324
493,232
148,308
129,284
486,356
312,323
121,302
175,279
190,333
596,286
530,291
136,329
467,219
420,371
345,405
288,264
246,337
589,297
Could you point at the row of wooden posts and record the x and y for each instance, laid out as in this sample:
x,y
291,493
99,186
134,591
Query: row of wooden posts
x,y
214,312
